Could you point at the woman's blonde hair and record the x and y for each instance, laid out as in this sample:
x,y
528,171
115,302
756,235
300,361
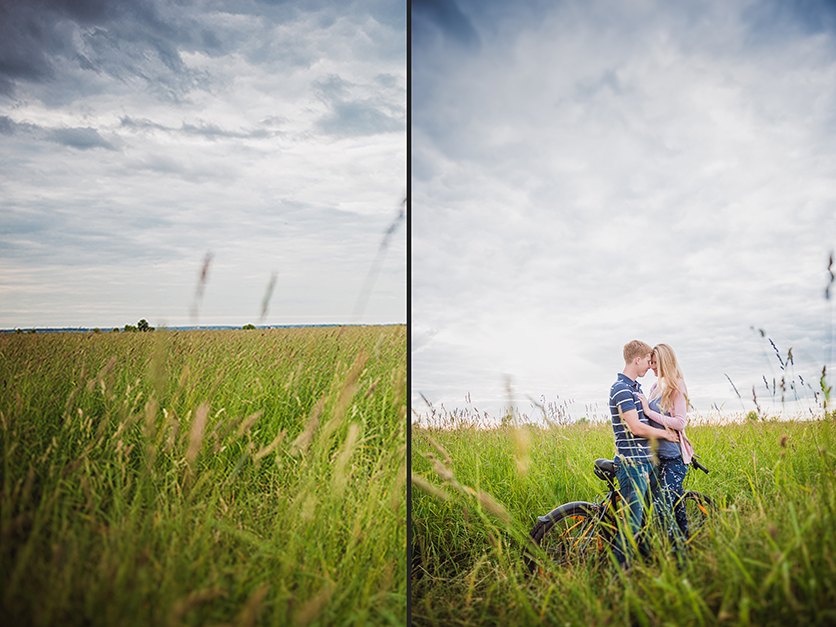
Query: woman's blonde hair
x,y
669,376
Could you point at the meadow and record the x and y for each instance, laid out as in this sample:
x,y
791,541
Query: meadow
x,y
766,557
237,477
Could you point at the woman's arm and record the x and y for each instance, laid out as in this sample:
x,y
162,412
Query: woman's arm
x,y
679,416
641,430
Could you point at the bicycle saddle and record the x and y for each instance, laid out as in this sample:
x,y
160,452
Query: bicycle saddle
x,y
605,469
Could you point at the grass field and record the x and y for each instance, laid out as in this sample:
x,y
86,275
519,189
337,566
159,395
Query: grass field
x,y
768,556
204,477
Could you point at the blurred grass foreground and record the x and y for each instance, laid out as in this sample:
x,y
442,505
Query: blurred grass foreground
x,y
204,477
766,557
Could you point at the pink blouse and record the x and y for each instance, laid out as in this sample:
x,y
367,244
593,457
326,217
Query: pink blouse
x,y
677,420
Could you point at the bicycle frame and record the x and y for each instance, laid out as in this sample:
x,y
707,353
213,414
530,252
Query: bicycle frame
x,y
581,529
604,469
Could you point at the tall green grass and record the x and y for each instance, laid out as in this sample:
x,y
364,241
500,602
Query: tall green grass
x,y
768,557
195,478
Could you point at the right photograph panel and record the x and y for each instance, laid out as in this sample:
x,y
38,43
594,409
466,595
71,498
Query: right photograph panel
x,y
622,271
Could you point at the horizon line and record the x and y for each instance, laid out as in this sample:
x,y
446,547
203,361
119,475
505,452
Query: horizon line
x,y
200,327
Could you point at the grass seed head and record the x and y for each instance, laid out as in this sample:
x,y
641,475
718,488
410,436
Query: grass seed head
x,y
340,477
252,609
440,469
437,446
247,423
313,607
270,447
196,435
304,439
421,483
493,507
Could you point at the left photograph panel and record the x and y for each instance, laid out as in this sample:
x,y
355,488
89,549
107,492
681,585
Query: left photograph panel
x,y
203,342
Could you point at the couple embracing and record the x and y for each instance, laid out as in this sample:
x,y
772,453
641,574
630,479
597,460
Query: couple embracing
x,y
652,451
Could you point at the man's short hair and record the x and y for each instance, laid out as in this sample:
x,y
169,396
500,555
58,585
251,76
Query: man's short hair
x,y
634,349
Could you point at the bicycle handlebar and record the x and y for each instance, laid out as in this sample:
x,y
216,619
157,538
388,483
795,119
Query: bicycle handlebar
x,y
696,464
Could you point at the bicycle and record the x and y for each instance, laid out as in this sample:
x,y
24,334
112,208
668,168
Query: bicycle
x,y
579,531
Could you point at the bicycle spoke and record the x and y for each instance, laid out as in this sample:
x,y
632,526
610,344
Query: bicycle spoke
x,y
698,510
575,537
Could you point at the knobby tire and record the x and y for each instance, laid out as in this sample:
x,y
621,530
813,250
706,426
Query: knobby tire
x,y
579,532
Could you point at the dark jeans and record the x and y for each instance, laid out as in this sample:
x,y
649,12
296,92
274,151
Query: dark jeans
x,y
667,499
633,481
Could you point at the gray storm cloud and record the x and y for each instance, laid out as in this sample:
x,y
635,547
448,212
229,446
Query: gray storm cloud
x,y
138,135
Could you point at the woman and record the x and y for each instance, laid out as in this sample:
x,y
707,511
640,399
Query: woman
x,y
667,408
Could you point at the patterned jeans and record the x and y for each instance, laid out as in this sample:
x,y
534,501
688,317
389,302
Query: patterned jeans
x,y
667,499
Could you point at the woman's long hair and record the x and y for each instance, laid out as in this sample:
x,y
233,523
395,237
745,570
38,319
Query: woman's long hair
x,y
669,376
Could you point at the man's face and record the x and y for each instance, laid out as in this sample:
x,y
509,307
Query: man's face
x,y
644,365
653,365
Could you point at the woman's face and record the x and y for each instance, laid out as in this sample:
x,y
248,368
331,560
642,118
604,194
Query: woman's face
x,y
653,365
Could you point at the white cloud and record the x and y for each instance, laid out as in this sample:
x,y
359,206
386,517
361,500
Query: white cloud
x,y
590,173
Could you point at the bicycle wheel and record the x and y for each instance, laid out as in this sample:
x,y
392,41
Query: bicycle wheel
x,y
698,510
572,533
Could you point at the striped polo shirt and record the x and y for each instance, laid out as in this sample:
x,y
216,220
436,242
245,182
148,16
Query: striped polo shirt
x,y
623,397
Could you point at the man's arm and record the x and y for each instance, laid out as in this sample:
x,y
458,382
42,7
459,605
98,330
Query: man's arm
x,y
638,428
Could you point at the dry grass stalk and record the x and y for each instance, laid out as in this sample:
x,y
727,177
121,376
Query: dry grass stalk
x,y
340,478
438,447
313,607
308,506
348,389
182,605
522,443
196,435
441,469
248,422
172,425
270,447
151,408
304,439
250,611
102,374
420,482
493,507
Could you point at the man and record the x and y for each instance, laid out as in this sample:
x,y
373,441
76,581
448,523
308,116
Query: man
x,y
633,441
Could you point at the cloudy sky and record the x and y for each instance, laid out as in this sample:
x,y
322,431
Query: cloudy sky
x,y
587,172
139,138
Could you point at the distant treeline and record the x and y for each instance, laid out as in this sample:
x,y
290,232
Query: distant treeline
x,y
129,327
